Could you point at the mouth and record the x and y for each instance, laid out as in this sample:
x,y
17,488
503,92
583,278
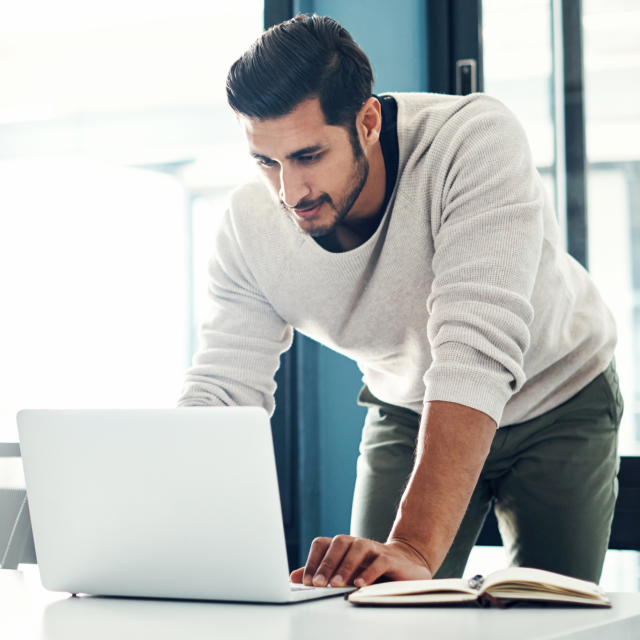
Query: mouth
x,y
307,214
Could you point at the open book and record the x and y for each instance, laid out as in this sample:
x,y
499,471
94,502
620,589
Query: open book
x,y
508,584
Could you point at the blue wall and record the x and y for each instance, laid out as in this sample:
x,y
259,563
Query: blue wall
x,y
393,35
340,423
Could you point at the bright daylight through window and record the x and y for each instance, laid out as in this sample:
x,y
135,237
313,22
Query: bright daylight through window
x,y
116,147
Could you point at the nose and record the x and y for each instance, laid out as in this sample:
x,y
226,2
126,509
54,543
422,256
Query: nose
x,y
293,187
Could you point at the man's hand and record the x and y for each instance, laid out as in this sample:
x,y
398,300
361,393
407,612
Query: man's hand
x,y
453,443
346,560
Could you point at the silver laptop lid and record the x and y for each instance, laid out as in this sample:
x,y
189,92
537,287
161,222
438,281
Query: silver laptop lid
x,y
178,503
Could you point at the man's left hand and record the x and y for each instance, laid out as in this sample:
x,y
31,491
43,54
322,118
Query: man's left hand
x,y
345,560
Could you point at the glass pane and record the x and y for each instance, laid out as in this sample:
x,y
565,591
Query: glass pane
x,y
518,69
612,101
69,57
92,283
113,120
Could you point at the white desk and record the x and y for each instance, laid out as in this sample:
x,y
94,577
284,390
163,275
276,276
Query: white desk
x,y
28,612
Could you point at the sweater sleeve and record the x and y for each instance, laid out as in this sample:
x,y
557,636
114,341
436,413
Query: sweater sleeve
x,y
488,228
240,340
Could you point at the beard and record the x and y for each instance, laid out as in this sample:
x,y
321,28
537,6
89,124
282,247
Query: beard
x,y
355,185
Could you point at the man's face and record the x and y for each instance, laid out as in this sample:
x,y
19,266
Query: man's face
x,y
309,167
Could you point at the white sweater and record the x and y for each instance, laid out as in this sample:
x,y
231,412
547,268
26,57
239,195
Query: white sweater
x,y
464,293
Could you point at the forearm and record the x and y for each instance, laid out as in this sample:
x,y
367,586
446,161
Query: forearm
x,y
453,443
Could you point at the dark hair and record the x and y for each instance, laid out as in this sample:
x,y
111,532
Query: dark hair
x,y
303,58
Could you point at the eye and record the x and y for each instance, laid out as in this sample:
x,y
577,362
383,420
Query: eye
x,y
308,159
264,162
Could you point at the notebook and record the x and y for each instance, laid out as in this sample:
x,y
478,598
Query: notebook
x,y
513,584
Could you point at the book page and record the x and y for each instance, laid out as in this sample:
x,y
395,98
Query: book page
x,y
412,587
522,580
448,597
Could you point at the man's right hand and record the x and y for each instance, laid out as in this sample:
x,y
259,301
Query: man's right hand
x,y
346,560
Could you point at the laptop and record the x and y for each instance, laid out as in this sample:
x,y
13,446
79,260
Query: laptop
x,y
173,503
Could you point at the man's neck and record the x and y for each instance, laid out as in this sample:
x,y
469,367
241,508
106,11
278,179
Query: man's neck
x,y
366,214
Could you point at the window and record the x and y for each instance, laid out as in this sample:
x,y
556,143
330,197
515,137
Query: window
x,y
519,70
115,131
612,103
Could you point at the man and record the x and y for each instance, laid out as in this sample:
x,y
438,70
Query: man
x,y
411,233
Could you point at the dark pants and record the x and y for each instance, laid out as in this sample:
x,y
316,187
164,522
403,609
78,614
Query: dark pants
x,y
553,479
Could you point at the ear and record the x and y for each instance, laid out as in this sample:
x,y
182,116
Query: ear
x,y
369,122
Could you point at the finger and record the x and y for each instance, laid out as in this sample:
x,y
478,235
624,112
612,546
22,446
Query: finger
x,y
332,559
318,550
297,575
377,569
361,554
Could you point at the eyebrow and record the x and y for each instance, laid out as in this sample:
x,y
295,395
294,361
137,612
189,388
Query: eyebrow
x,y
295,154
